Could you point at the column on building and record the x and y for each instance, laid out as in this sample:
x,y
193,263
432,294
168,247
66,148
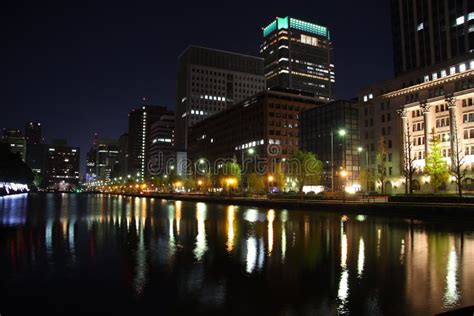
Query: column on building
x,y
425,107
451,104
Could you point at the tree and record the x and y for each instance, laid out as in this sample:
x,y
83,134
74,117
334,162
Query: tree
x,y
305,167
256,183
458,170
381,158
409,168
365,177
229,175
436,166
279,176
189,183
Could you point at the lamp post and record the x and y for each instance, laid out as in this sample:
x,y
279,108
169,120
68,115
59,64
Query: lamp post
x,y
270,182
196,166
250,151
361,149
342,133
343,176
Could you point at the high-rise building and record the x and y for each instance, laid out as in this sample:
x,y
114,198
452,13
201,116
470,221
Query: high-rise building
x,y
62,166
35,149
14,138
162,142
33,133
263,128
139,128
331,131
209,81
35,157
298,55
428,32
122,167
102,160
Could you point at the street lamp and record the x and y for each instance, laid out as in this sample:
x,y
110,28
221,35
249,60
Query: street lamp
x,y
343,176
341,133
361,149
270,182
250,151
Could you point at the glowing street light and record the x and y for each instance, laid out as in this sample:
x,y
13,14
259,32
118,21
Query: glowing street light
x,y
270,183
341,133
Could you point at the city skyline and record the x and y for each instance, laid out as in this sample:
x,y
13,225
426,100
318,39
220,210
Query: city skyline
x,y
96,70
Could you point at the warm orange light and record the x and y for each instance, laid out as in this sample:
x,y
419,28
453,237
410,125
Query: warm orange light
x,y
343,173
200,182
270,178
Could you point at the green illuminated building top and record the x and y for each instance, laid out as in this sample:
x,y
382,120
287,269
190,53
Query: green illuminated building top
x,y
287,22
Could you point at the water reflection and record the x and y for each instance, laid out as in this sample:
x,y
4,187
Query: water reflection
x,y
343,291
230,228
201,242
451,295
270,218
361,258
208,259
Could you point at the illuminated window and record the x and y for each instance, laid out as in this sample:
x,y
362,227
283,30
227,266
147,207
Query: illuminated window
x,y
460,20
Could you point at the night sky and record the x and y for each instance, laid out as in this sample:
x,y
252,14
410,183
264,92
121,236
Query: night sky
x,y
78,67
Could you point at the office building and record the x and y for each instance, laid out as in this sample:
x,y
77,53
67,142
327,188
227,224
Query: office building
x,y
298,55
61,166
35,157
35,149
263,128
439,98
209,81
428,32
102,160
121,170
15,139
139,135
331,131
162,143
33,133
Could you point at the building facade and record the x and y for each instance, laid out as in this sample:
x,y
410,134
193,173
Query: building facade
x,y
298,55
33,133
61,166
261,130
102,160
407,111
209,81
162,143
428,32
121,169
331,131
15,139
139,138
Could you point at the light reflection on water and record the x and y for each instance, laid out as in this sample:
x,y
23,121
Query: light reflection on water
x,y
202,258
